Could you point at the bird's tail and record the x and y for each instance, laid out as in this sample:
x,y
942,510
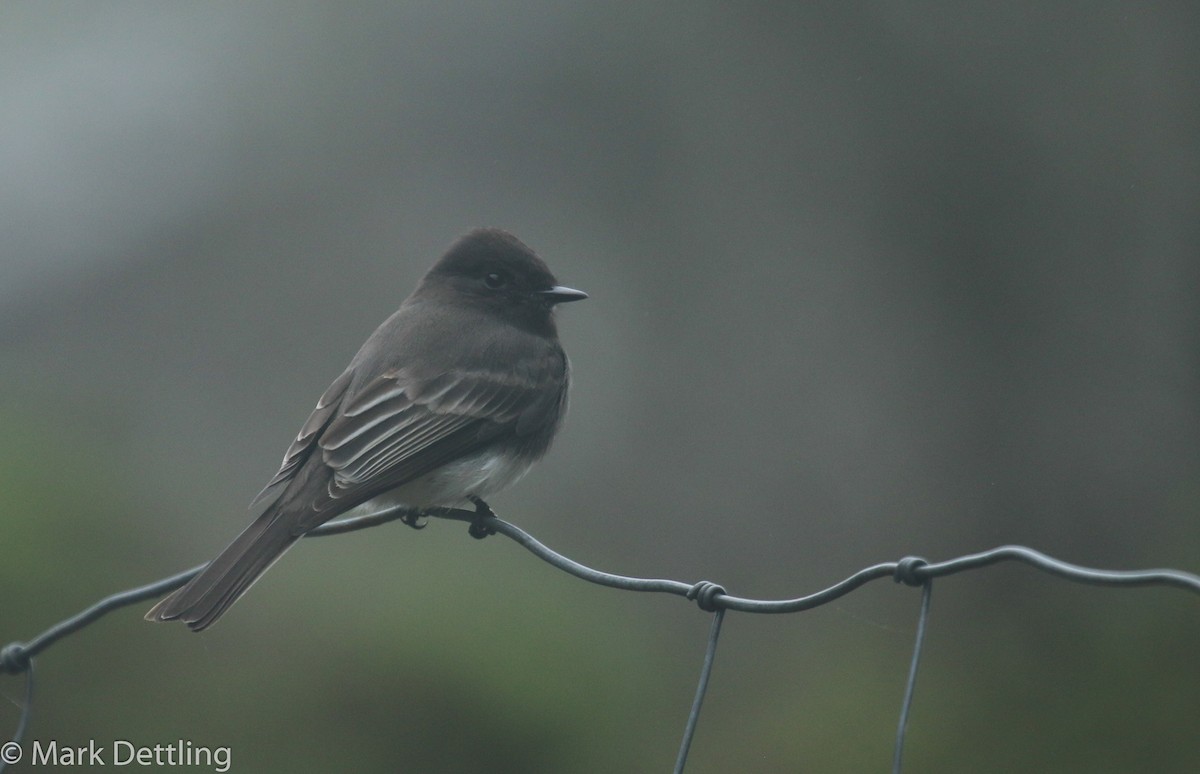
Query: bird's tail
x,y
207,596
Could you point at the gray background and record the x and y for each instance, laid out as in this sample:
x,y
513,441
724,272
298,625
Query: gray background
x,y
867,280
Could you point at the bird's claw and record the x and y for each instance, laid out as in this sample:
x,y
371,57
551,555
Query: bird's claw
x,y
479,528
415,519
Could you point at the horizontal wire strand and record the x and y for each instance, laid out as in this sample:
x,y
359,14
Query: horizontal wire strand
x,y
17,657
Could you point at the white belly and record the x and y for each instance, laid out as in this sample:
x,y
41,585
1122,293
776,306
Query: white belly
x,y
451,485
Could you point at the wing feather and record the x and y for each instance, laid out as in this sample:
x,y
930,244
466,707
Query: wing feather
x,y
305,442
398,428
399,425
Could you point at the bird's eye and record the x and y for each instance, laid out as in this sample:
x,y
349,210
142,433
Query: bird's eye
x,y
496,280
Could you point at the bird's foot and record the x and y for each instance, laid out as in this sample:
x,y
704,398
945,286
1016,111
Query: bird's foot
x,y
479,528
415,519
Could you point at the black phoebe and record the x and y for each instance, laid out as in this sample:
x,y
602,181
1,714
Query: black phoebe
x,y
453,398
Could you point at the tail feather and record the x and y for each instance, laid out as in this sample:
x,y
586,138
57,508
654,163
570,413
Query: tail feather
x,y
207,596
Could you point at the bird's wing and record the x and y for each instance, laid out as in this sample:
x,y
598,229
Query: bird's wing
x,y
397,428
306,440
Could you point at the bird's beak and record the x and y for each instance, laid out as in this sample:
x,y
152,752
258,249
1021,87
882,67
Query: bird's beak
x,y
561,295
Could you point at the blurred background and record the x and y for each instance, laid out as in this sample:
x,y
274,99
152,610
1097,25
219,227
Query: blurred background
x,y
866,280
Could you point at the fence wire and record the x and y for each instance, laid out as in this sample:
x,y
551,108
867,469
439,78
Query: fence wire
x,y
17,657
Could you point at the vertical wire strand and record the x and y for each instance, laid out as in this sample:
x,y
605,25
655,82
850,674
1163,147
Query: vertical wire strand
x,y
26,712
902,726
16,657
701,689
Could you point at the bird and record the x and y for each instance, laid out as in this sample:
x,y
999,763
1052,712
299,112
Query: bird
x,y
452,399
